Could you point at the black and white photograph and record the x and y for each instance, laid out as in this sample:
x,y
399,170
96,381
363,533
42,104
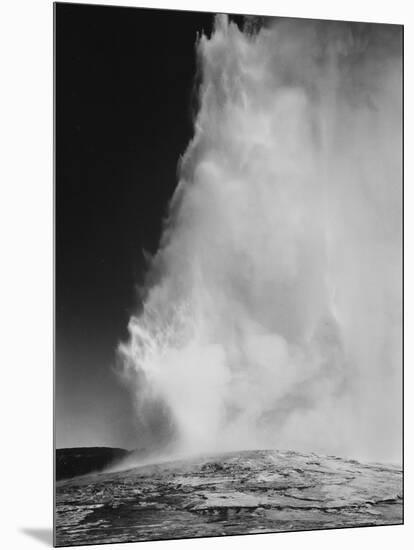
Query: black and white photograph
x,y
228,248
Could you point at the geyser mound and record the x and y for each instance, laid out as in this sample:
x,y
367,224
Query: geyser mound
x,y
227,494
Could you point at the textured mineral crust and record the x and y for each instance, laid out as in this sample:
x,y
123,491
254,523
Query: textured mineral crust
x,y
227,494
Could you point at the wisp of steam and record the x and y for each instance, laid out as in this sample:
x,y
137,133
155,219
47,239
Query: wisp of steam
x,y
272,308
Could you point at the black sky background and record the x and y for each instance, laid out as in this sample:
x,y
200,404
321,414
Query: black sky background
x,y
125,98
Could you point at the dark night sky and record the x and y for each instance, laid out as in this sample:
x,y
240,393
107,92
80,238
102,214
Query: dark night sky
x,y
124,104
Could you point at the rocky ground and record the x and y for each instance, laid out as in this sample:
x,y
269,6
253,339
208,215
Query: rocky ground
x,y
234,493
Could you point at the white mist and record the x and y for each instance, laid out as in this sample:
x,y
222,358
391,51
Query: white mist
x,y
273,315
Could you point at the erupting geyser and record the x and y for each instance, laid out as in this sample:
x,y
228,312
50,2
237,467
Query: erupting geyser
x,y
272,311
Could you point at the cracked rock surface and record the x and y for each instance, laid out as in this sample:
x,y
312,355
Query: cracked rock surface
x,y
228,494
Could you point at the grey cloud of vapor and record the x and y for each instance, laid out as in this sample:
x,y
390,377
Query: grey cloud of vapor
x,y
272,315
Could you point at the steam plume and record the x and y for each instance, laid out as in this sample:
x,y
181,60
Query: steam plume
x,y
272,315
